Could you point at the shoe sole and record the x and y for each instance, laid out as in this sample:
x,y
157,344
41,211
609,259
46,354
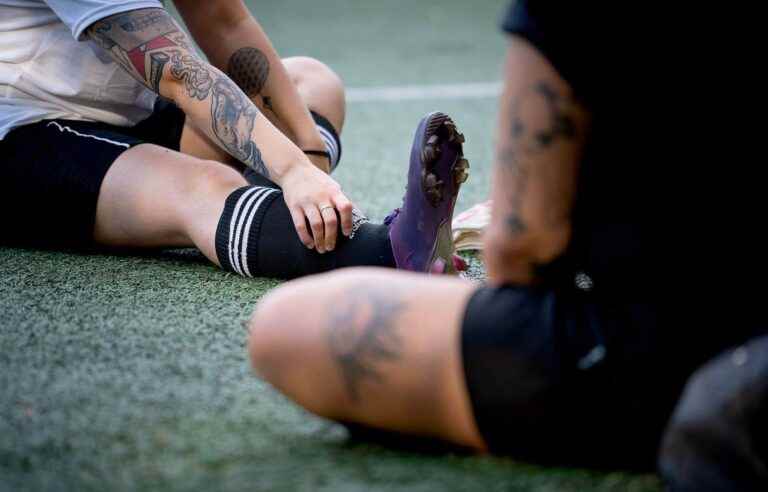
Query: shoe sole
x,y
440,129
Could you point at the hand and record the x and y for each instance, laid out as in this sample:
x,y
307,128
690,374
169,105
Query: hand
x,y
320,162
313,196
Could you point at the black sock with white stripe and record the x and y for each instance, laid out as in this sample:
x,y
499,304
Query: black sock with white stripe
x,y
237,235
330,137
256,237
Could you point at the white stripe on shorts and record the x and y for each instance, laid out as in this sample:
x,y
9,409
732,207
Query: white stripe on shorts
x,y
63,129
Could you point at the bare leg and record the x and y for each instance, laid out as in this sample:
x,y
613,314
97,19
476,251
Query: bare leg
x,y
155,197
372,347
320,88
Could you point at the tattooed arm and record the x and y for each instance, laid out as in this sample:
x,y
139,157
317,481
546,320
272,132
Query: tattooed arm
x,y
236,44
151,47
541,134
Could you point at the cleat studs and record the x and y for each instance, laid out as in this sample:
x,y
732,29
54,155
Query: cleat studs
x,y
461,171
429,154
434,196
432,189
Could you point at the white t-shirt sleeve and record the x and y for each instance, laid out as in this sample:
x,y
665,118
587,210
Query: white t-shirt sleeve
x,y
78,15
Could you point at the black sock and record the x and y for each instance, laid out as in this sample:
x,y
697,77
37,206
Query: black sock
x,y
256,237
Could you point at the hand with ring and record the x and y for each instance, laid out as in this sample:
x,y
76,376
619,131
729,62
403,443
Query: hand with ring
x,y
317,206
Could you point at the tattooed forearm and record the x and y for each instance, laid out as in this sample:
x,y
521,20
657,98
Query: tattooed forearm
x,y
157,62
133,37
249,69
233,116
193,72
145,41
541,118
362,335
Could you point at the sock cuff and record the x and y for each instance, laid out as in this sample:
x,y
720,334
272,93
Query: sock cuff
x,y
330,137
239,227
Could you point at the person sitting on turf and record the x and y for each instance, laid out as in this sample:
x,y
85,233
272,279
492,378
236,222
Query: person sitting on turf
x,y
93,157
573,353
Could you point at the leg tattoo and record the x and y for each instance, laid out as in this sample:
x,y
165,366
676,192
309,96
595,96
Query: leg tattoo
x,y
362,335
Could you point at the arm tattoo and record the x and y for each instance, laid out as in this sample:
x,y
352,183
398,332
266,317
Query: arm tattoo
x,y
541,118
249,69
195,75
233,117
134,38
362,335
144,41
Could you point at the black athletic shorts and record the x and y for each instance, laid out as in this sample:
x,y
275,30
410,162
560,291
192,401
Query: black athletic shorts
x,y
565,375
51,173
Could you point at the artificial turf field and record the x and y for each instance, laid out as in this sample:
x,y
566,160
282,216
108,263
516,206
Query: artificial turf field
x,y
129,372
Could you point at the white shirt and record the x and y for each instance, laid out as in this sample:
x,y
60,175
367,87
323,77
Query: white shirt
x,y
47,71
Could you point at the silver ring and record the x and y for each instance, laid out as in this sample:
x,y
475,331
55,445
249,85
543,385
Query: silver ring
x,y
324,207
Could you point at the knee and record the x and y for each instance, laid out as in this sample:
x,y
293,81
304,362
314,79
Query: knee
x,y
280,334
265,339
320,88
211,177
305,70
277,328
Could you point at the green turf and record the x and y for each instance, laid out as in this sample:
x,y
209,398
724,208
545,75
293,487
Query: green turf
x,y
129,372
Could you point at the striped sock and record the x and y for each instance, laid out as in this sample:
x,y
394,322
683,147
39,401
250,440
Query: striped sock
x,y
330,145
330,137
237,235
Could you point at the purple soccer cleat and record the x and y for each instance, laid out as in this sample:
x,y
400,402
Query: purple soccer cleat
x,y
420,231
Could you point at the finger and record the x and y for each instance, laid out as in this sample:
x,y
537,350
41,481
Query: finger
x,y
344,207
300,223
316,223
331,226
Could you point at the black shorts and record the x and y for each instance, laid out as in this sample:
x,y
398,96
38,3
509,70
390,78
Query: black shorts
x,y
565,376
51,173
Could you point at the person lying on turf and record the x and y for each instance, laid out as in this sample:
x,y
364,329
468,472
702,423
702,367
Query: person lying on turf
x,y
570,354
116,133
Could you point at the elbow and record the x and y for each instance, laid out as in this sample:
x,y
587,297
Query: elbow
x,y
170,88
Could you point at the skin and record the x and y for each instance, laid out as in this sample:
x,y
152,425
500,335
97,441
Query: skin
x,y
246,55
154,197
151,47
382,349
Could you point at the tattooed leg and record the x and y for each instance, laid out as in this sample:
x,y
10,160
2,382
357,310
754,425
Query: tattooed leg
x,y
364,349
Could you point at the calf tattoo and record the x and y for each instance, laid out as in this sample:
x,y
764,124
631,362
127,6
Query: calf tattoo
x,y
541,118
145,41
362,335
